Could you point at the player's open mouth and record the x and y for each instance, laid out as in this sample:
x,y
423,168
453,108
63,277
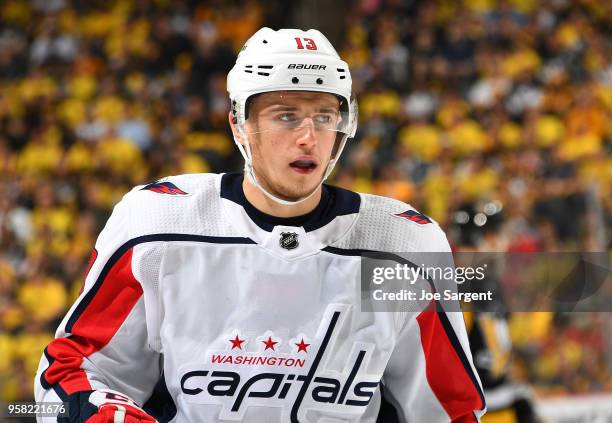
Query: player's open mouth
x,y
303,166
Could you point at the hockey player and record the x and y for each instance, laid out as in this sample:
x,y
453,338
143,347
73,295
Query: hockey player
x,y
236,297
507,401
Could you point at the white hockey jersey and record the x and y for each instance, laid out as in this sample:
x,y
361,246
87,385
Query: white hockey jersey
x,y
203,309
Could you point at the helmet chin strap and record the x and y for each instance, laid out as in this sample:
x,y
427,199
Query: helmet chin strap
x,y
245,150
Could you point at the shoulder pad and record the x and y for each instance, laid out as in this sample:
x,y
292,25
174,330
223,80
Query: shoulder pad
x,y
389,225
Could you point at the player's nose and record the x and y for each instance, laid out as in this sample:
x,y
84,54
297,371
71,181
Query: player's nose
x,y
306,133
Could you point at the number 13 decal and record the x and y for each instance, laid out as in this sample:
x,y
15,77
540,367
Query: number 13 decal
x,y
308,42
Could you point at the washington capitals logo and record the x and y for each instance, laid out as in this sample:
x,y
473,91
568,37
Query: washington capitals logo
x,y
164,188
415,216
289,240
267,374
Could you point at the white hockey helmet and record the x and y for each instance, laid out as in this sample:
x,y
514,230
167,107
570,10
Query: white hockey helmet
x,y
290,60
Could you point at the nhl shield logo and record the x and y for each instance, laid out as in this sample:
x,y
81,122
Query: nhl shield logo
x,y
289,240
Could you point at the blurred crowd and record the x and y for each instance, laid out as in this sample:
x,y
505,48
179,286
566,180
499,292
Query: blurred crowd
x,y
493,117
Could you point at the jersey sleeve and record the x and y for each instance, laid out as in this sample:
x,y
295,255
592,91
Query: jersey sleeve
x,y
103,342
430,376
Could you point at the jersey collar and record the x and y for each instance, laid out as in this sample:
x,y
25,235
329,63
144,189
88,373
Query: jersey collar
x,y
334,202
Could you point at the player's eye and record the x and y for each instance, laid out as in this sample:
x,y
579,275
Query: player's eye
x,y
287,117
323,119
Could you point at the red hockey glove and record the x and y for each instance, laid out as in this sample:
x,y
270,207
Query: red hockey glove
x,y
114,407
105,406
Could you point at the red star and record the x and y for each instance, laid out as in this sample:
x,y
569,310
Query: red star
x,y
236,342
302,346
269,343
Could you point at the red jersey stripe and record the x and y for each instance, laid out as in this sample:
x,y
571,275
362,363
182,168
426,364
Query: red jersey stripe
x,y
94,328
446,374
468,418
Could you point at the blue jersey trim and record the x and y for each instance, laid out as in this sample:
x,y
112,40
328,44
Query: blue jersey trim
x,y
160,404
80,308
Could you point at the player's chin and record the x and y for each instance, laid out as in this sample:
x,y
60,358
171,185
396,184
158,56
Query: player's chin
x,y
295,195
298,186
306,179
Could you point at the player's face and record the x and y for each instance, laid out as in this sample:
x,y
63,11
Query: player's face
x,y
291,135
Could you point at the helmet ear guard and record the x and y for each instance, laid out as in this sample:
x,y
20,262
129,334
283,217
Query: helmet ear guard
x,y
289,60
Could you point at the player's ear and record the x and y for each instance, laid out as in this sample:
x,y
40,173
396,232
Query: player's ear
x,y
233,121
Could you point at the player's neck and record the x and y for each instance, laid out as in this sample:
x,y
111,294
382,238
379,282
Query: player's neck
x,y
266,205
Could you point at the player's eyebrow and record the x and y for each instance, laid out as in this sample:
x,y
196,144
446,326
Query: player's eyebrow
x,y
328,109
285,107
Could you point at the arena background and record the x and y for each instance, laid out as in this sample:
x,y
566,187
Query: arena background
x,y
463,104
